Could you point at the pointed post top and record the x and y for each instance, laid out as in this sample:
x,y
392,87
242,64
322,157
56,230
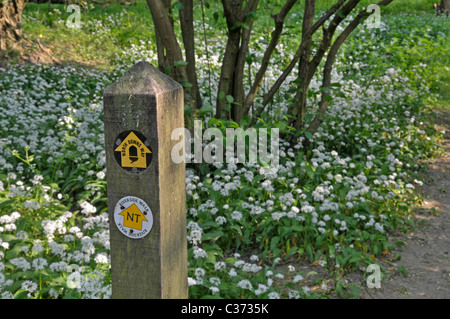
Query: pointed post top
x,y
143,78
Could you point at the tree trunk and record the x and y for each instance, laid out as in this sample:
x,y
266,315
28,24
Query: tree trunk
x,y
187,27
231,80
237,109
231,10
309,68
169,51
10,20
300,98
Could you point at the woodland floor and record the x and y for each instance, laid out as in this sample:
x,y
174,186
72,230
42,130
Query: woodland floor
x,y
423,271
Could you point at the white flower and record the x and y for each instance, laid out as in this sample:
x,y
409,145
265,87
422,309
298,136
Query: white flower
x,y
87,208
276,216
308,209
100,175
101,258
261,289
214,290
195,237
220,265
215,281
37,248
199,253
21,263
236,215
221,220
39,263
199,272
245,284
29,286
191,281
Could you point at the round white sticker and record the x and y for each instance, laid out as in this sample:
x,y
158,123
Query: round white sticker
x,y
133,217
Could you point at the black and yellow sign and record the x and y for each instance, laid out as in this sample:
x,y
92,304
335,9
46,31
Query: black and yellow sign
x,y
132,151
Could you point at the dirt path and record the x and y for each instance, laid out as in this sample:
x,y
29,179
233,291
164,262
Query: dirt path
x,y
424,268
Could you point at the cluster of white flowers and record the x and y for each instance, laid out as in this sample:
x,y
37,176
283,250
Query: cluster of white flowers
x,y
7,222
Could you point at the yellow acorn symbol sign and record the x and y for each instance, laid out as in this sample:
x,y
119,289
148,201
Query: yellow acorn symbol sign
x,y
134,153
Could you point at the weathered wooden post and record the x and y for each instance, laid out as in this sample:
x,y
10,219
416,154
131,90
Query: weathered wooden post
x,y
146,189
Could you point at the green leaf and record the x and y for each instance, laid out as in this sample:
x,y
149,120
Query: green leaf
x,y
212,235
14,252
308,135
186,84
178,5
354,259
207,108
308,118
214,121
309,252
274,242
291,252
21,294
180,63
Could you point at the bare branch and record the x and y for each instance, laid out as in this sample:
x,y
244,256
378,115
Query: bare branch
x,y
279,23
300,50
326,82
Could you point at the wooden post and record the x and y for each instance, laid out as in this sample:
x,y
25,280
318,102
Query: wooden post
x,y
146,189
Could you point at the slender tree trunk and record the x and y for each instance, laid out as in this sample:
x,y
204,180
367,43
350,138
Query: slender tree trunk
x,y
231,80
163,61
169,51
231,8
237,109
10,20
300,98
187,27
226,73
166,37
